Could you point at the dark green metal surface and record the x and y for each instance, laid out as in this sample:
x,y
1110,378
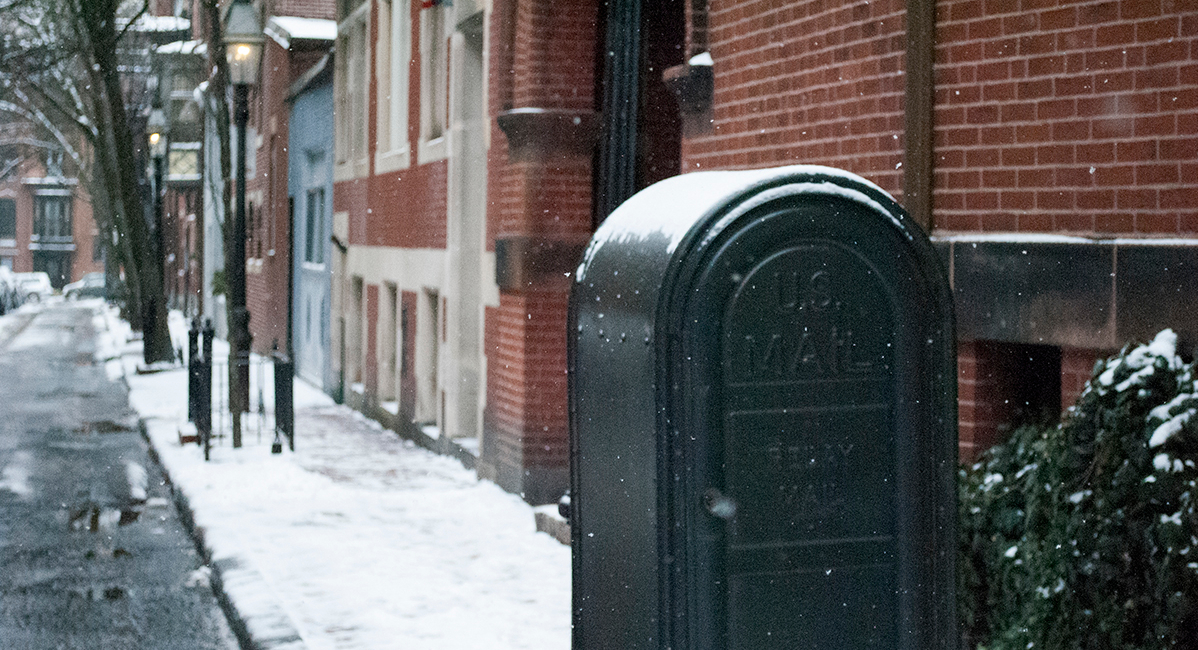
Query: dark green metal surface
x,y
763,404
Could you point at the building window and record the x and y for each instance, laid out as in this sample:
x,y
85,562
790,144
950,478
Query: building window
x,y
52,219
394,54
433,82
428,349
183,163
351,85
314,212
8,223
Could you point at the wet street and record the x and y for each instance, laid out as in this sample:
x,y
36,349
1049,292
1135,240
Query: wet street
x,y
92,552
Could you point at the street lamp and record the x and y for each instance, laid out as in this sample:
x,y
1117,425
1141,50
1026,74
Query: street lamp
x,y
156,126
157,129
243,51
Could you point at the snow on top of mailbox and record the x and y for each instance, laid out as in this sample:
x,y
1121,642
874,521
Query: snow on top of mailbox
x,y
668,209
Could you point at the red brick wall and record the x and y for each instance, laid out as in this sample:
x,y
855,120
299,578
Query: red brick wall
x,y
806,82
84,231
526,386
404,208
302,8
551,200
983,389
1002,385
352,198
1078,116
269,236
1077,364
83,226
180,208
554,54
407,208
967,406
545,74
696,31
549,49
371,362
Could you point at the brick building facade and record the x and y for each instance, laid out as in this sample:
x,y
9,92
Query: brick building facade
x,y
1050,148
1063,150
46,221
299,33
409,284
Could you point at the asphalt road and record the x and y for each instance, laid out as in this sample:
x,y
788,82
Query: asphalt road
x,y
86,560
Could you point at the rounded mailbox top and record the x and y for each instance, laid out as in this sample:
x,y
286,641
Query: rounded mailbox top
x,y
657,219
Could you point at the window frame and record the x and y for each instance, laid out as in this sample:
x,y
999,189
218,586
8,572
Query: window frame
x,y
8,240
434,74
66,217
394,54
352,110
314,224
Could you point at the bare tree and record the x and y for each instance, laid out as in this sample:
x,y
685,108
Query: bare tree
x,y
61,69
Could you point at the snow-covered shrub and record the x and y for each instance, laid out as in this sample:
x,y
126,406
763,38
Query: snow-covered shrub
x,y
1084,535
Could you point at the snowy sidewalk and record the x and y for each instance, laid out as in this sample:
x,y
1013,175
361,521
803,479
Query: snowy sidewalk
x,y
359,539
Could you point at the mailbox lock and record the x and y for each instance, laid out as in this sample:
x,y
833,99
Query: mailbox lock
x,y
719,504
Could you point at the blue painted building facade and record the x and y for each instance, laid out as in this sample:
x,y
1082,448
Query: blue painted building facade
x,y
310,188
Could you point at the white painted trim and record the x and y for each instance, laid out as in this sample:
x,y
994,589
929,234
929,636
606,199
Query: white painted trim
x,y
391,161
432,150
410,269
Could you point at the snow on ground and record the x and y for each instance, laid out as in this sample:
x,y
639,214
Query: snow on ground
x,y
362,539
15,320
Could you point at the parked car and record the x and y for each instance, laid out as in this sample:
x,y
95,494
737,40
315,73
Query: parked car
x,y
35,285
10,291
91,285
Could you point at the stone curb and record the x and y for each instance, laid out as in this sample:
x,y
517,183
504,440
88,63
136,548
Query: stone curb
x,y
550,522
264,626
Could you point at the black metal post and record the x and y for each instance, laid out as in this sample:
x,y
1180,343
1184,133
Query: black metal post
x,y
203,419
150,306
186,271
284,402
193,368
239,316
207,334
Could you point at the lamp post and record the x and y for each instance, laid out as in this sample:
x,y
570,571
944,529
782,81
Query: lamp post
x,y
243,50
156,126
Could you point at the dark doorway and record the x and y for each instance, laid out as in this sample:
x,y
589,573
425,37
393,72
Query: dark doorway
x,y
641,140
55,264
659,130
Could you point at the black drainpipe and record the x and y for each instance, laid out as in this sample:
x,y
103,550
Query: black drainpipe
x,y
616,179
920,104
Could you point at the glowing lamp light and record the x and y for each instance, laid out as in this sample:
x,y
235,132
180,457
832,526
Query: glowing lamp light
x,y
156,125
243,43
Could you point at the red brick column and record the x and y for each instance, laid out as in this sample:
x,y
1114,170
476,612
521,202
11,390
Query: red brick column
x,y
539,188
1076,366
370,375
988,374
969,411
